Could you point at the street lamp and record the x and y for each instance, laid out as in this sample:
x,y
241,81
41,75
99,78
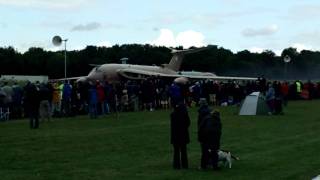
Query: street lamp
x,y
57,40
286,60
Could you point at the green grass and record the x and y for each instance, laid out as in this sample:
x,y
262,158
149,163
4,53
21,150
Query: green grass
x,y
137,146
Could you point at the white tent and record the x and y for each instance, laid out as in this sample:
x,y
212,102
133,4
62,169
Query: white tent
x,y
254,104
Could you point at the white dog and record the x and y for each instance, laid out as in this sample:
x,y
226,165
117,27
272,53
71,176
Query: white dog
x,y
226,157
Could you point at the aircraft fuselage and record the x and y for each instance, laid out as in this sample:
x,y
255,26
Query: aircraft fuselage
x,y
114,72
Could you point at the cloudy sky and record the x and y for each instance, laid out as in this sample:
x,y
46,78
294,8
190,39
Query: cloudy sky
x,y
232,24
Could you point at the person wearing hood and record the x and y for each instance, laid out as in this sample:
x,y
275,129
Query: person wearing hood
x,y
209,134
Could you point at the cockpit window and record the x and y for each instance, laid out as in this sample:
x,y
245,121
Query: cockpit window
x,y
97,69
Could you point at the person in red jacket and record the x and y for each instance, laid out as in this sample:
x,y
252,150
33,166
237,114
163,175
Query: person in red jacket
x,y
101,97
285,92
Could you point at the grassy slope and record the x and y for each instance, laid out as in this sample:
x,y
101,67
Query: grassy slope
x,y
136,146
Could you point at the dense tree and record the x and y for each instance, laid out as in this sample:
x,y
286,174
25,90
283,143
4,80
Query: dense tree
x,y
37,61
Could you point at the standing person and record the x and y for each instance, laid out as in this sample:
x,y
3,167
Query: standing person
x,y
84,99
66,98
270,98
175,94
56,100
44,98
278,98
180,123
93,101
164,96
17,100
285,92
9,93
209,134
31,104
148,94
101,98
196,93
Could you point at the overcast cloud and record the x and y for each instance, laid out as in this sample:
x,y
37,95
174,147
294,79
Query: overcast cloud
x,y
305,12
3,25
87,27
232,24
265,31
186,39
51,4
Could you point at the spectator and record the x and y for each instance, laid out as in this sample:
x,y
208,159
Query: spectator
x,y
270,98
209,134
31,103
285,92
180,123
44,96
66,98
101,98
148,94
278,98
9,93
175,94
56,100
124,101
196,92
17,100
164,96
93,101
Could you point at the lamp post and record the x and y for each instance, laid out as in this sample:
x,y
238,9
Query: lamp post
x,y
57,40
286,60
65,58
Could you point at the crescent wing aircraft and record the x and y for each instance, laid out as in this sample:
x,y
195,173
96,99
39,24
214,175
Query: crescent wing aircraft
x,y
208,75
116,72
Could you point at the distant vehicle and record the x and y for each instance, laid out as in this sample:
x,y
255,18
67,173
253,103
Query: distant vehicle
x,y
115,72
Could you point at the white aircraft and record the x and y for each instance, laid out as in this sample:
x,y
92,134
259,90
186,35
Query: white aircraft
x,y
115,72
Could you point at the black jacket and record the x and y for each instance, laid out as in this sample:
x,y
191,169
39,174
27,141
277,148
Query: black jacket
x,y
31,96
180,123
209,127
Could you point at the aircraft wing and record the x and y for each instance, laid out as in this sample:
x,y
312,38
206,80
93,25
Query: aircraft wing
x,y
70,78
141,74
215,77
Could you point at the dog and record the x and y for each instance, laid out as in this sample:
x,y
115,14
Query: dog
x,y
226,157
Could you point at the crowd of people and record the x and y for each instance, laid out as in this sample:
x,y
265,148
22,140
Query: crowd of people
x,y
41,101
64,99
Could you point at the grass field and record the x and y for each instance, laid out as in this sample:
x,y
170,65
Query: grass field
x,y
136,146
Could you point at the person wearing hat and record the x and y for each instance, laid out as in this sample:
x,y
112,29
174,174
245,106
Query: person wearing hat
x,y
180,123
209,134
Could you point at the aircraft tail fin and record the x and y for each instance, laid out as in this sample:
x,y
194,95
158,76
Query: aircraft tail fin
x,y
178,56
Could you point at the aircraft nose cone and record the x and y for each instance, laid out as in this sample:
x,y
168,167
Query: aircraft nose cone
x,y
94,76
181,80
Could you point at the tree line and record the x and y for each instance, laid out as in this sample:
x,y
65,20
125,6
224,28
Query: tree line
x,y
37,61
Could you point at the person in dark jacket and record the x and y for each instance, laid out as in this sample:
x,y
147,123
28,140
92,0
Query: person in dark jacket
x,y
209,134
32,103
180,123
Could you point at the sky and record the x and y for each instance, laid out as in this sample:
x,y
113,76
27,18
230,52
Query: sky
x,y
232,24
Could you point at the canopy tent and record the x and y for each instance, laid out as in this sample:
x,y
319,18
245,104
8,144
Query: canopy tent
x,y
254,104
